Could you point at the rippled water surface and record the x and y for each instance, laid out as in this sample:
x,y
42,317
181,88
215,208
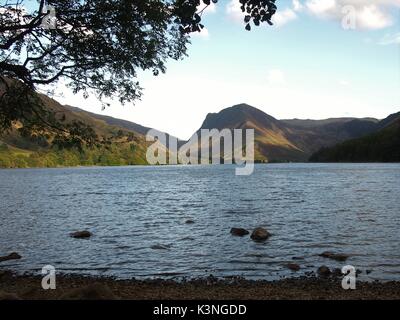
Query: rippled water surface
x,y
138,214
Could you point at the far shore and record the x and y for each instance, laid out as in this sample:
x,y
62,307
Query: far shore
x,y
197,165
75,287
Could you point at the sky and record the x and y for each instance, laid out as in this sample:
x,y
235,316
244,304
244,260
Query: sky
x,y
321,59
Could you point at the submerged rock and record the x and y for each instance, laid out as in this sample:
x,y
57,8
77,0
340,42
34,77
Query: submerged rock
x,y
324,271
81,234
240,232
160,247
334,256
297,258
293,266
187,239
260,234
91,292
11,256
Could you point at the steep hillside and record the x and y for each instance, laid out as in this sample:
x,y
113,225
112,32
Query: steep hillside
x,y
120,123
380,146
125,145
275,140
131,126
288,140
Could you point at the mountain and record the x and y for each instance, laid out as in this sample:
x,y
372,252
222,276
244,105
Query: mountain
x,y
127,146
275,140
122,124
131,126
288,140
381,146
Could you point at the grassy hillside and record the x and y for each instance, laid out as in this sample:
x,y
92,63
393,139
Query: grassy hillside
x,y
120,146
123,154
381,146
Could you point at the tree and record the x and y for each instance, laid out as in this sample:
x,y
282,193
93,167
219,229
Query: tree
x,y
95,46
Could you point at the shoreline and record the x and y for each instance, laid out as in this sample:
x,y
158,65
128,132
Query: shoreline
x,y
182,165
76,287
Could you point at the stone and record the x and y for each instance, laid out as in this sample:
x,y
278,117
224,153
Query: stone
x,y
293,266
81,234
260,234
324,271
334,256
337,272
11,256
160,247
240,232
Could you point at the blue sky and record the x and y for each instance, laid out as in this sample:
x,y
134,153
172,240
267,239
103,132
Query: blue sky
x,y
306,66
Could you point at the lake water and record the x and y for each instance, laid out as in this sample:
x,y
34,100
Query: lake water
x,y
309,208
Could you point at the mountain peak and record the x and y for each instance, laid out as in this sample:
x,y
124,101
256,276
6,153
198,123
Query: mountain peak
x,y
243,106
236,115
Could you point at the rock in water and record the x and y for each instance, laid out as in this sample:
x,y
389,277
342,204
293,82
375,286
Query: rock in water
x,y
240,232
293,266
11,256
160,247
324,271
189,221
81,234
260,234
334,256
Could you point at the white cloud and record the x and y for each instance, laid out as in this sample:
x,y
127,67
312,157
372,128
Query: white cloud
x,y
297,5
282,17
369,14
372,17
212,8
390,39
233,11
321,7
276,77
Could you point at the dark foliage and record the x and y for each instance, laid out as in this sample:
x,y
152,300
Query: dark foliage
x,y
382,146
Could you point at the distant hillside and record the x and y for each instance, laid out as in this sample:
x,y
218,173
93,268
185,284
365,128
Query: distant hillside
x,y
380,146
275,140
126,143
288,140
131,126
124,124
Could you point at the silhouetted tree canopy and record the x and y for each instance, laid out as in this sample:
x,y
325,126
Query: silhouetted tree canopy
x,y
98,46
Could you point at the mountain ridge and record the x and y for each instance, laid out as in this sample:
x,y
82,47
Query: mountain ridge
x,y
275,140
383,145
288,140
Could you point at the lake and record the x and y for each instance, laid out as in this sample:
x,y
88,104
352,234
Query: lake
x,y
138,214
